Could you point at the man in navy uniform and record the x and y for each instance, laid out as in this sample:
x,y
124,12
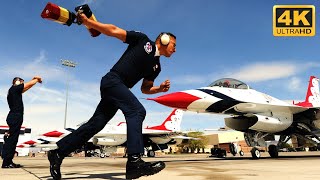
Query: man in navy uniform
x,y
139,61
15,118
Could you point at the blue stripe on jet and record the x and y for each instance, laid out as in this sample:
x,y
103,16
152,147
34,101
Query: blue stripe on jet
x,y
217,94
222,105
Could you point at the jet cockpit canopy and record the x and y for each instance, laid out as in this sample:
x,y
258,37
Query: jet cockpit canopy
x,y
229,83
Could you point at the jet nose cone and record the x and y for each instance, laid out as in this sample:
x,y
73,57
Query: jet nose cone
x,y
179,100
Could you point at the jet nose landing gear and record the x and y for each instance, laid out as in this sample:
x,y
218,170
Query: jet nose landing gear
x,y
255,153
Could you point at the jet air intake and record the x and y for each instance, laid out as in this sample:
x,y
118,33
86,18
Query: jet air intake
x,y
259,123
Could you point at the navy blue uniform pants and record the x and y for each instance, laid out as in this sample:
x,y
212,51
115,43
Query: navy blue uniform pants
x,y
114,95
14,121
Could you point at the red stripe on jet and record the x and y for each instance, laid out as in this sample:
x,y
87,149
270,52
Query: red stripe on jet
x,y
53,134
30,142
179,100
121,123
22,127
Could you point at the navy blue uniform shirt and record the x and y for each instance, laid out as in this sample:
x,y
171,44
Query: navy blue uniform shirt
x,y
14,99
138,61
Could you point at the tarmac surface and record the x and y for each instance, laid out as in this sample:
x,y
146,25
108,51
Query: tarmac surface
x,y
289,166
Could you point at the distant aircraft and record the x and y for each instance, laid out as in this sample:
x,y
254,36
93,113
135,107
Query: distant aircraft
x,y
24,134
258,115
108,139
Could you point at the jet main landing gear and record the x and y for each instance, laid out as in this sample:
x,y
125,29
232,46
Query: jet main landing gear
x,y
273,151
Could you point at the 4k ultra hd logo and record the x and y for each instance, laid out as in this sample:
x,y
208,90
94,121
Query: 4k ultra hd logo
x,y
294,20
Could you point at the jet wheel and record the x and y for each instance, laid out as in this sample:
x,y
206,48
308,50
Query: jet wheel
x,y
233,149
241,153
102,155
273,151
255,153
151,153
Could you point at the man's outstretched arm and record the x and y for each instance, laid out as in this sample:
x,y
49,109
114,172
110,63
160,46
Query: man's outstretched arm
x,y
107,29
31,83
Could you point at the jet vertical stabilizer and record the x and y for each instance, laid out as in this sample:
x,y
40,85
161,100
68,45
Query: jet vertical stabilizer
x,y
313,95
172,123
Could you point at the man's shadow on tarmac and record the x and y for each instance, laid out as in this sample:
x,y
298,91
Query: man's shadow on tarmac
x,y
113,176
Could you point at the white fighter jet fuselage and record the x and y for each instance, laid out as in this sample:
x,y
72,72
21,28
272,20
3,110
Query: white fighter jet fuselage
x,y
251,111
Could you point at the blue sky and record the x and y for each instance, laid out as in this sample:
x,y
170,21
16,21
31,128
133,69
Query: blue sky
x,y
215,39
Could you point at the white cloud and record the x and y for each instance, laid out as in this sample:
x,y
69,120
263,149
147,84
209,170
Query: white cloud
x,y
256,72
295,84
189,79
265,71
30,68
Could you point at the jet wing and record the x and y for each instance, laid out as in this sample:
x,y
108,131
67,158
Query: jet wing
x,y
58,133
108,134
172,135
152,131
41,143
108,139
185,137
256,108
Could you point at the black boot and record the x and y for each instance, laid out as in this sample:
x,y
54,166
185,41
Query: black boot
x,y
136,167
55,162
9,164
12,165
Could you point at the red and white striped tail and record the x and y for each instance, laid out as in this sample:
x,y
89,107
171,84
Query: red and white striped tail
x,y
172,122
313,95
